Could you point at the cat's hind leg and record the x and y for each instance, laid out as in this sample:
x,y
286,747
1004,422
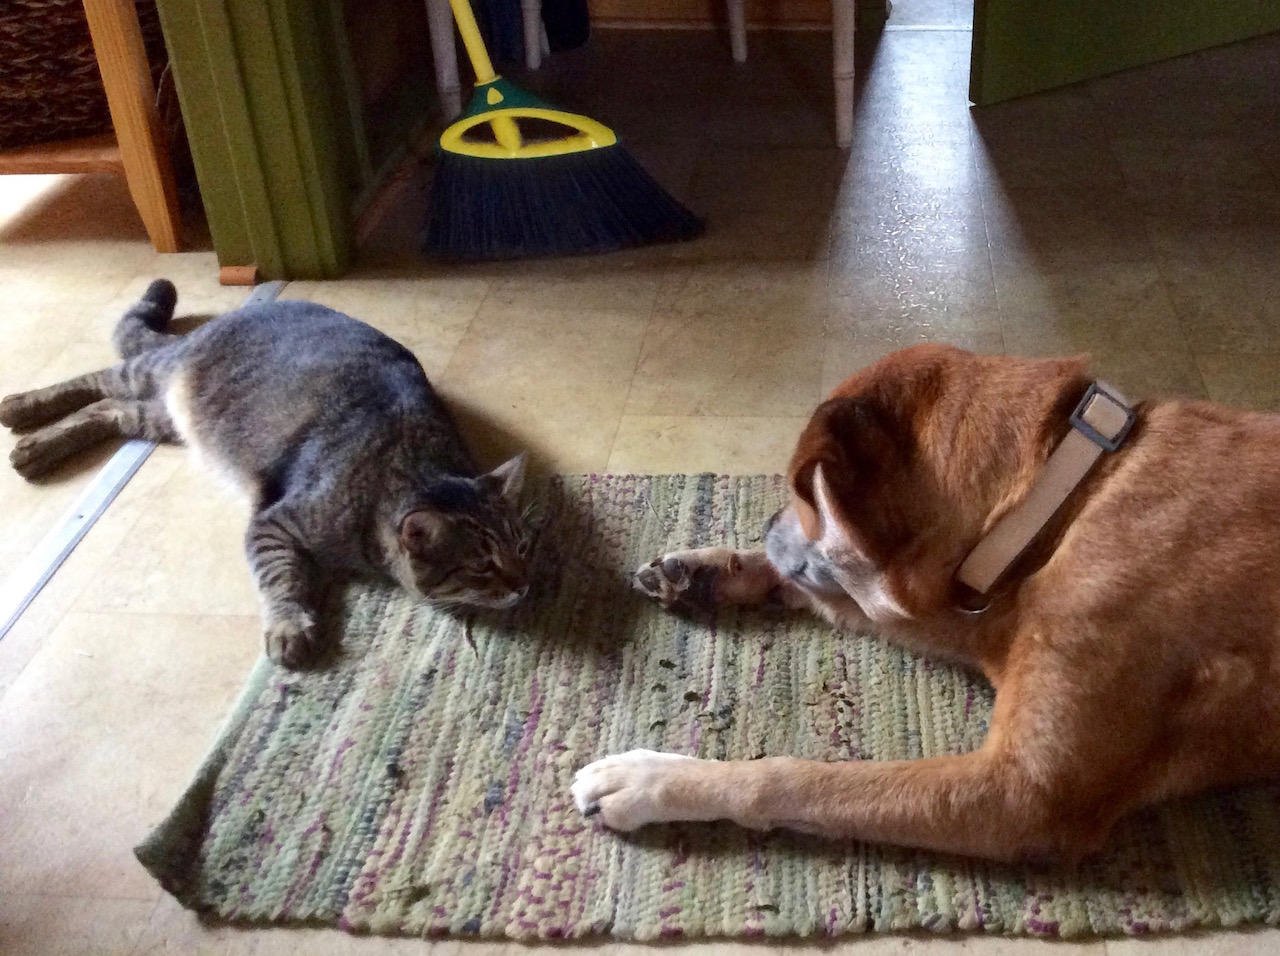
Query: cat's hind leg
x,y
283,572
39,452
39,406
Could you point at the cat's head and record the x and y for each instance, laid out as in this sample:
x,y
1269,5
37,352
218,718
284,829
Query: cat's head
x,y
465,542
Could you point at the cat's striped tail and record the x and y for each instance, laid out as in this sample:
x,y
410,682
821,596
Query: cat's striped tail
x,y
143,327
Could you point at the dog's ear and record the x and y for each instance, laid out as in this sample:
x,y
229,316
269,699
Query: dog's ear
x,y
847,444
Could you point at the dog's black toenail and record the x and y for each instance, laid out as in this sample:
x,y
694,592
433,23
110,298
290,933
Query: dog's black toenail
x,y
592,810
647,578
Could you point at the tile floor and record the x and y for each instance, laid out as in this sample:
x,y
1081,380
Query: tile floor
x,y
1137,218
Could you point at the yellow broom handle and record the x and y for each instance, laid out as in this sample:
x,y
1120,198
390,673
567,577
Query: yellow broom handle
x,y
471,40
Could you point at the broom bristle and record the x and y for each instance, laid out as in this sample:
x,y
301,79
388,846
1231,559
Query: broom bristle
x,y
594,201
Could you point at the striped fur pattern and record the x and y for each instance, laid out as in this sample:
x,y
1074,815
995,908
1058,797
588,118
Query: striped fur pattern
x,y
421,787
351,462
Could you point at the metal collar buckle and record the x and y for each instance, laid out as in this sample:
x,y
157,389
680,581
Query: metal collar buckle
x,y
1096,390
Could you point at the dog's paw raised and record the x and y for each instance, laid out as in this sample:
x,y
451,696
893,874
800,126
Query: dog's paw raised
x,y
678,584
629,790
291,641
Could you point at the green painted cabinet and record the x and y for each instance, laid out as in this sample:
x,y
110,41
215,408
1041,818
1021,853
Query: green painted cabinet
x,y
1025,46
275,111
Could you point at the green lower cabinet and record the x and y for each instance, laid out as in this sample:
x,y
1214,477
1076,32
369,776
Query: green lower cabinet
x,y
269,97
1025,46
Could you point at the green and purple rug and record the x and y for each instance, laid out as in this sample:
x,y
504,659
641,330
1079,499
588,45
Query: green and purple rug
x,y
420,784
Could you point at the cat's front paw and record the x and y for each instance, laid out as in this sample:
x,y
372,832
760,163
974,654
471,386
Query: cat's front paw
x,y
291,641
683,581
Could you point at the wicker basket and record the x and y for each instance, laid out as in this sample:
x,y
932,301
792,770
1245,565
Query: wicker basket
x,y
50,87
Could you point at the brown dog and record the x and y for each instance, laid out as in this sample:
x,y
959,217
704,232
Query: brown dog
x,y
1134,643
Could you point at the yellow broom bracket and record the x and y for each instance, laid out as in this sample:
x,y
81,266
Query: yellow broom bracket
x,y
508,143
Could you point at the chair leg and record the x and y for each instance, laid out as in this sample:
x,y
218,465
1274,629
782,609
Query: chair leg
x,y
843,23
444,51
131,98
532,10
738,30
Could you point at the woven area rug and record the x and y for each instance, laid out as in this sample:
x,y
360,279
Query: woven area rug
x,y
420,784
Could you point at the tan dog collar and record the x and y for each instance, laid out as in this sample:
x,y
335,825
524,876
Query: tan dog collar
x,y
1100,423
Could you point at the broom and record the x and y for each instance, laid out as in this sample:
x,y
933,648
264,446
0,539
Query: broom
x,y
561,185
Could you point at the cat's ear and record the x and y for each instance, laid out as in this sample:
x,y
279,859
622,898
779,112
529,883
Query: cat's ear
x,y
421,530
508,478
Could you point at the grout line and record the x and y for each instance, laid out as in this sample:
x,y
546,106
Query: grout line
x,y
39,567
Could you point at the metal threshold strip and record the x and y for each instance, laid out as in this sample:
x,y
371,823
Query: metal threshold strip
x,y
37,568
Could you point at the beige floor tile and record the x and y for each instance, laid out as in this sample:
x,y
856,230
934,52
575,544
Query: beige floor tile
x,y
200,296
71,925
714,947
553,382
185,555
1209,180
1243,380
763,235
32,341
859,338
619,283
26,638
1121,307
958,945
746,291
729,178
726,365
1042,230
661,444
1224,286
1152,373
429,316
32,508
1258,942
100,734
173,931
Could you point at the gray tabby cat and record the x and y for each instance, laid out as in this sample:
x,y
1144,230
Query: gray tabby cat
x,y
351,461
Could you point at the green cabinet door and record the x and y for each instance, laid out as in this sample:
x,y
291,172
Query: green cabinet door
x,y
1024,46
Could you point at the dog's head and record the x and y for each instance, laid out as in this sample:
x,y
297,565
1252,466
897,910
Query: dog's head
x,y
900,472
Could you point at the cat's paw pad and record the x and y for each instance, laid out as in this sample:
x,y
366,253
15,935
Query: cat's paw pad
x,y
11,411
678,584
19,412
291,641
30,457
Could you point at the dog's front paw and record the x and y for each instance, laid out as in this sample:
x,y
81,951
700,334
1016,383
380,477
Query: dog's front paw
x,y
679,582
291,641
632,789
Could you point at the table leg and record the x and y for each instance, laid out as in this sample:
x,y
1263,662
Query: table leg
x,y
131,97
843,22
532,12
738,30
444,51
